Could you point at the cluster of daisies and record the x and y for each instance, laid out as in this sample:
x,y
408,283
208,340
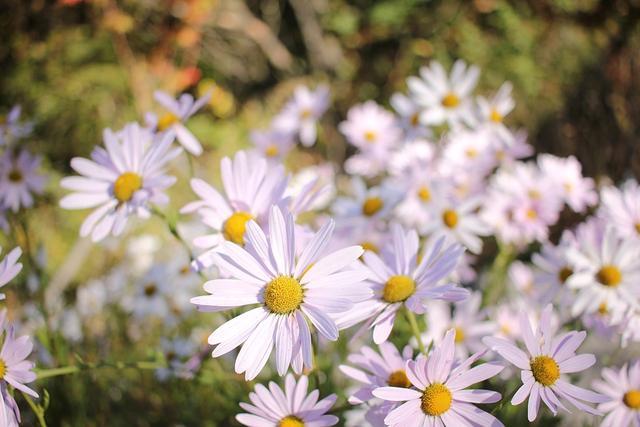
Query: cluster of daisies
x,y
434,255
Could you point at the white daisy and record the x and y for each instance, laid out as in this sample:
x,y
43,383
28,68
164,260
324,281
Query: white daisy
x,y
9,268
288,292
122,180
19,179
621,208
301,114
623,388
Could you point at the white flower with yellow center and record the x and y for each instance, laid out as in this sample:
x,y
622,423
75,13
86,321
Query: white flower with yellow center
x,y
493,111
371,204
621,208
438,393
444,99
288,292
123,179
399,280
623,389
272,144
175,118
606,270
299,117
20,179
545,365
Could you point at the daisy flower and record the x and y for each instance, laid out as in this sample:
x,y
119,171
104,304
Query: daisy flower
x,y
122,180
439,394
458,221
566,173
291,407
19,179
301,114
409,113
545,364
444,98
553,269
9,267
493,111
272,144
621,208
251,187
375,203
623,388
11,129
399,280
15,370
606,270
174,120
288,291
371,128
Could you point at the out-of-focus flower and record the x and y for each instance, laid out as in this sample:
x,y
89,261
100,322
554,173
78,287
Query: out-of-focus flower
x,y
409,113
493,111
553,270
445,98
173,121
621,208
301,114
439,394
371,128
623,388
9,267
176,353
122,180
289,292
373,204
222,102
543,367
398,280
291,407
11,129
19,179
272,143
566,173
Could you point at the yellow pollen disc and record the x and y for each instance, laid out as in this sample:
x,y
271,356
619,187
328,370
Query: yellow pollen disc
x,y
415,119
450,100
399,379
632,399
234,227
500,155
15,176
3,368
637,227
564,274
283,295
291,421
534,194
126,185
370,246
495,116
372,205
305,114
398,288
450,218
609,275
531,214
370,136
167,120
545,370
460,335
471,153
603,310
150,289
271,150
436,400
424,194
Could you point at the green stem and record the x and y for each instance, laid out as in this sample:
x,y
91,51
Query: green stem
x,y
73,369
414,327
495,286
37,409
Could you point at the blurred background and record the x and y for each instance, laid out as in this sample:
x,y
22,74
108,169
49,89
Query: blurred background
x,y
78,66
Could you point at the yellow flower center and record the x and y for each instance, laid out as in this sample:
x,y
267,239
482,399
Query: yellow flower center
x,y
632,399
545,370
471,153
283,295
436,400
398,288
15,175
291,421
414,119
531,214
564,274
370,246
495,116
166,121
399,379
3,368
534,194
370,136
450,100
637,227
609,275
305,114
126,185
234,227
603,310
450,218
460,335
372,205
424,194
271,150
150,289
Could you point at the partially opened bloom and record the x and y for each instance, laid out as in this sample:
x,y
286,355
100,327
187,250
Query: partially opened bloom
x,y
9,267
622,386
19,179
121,181
439,394
545,364
289,292
174,120
292,407
444,98
398,280
301,114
